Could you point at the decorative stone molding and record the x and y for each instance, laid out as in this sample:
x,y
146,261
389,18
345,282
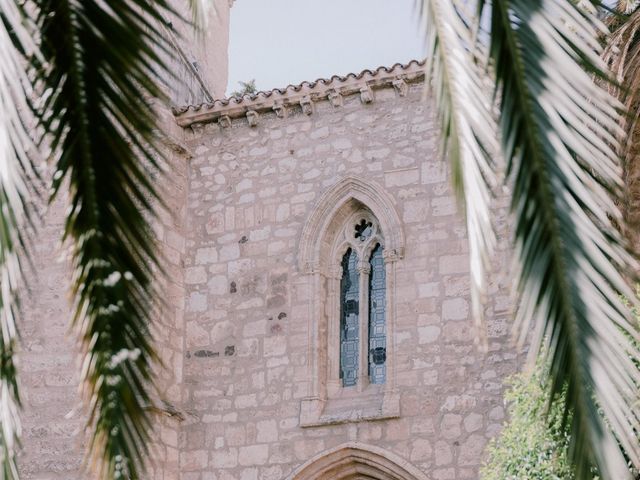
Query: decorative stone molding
x,y
224,121
368,193
307,105
366,94
391,255
252,118
326,236
280,109
291,96
197,128
401,86
382,406
335,98
357,460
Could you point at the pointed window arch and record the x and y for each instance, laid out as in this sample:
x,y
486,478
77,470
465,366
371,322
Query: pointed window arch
x,y
348,252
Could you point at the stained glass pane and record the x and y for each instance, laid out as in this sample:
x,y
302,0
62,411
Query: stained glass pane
x,y
364,230
349,318
377,323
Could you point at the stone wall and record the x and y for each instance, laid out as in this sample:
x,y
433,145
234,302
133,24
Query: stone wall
x,y
200,64
48,370
242,396
249,326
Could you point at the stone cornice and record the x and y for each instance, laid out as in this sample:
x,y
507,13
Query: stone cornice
x,y
304,95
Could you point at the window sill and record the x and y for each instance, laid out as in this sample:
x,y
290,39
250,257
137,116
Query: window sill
x,y
350,408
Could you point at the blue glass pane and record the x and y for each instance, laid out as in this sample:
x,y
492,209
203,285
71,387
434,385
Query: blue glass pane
x,y
377,323
349,318
364,230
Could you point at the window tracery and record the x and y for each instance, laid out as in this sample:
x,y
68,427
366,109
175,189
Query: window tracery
x,y
349,248
362,303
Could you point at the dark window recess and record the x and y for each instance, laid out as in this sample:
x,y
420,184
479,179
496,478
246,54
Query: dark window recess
x,y
349,334
377,323
364,230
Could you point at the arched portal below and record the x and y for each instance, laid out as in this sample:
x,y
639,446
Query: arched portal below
x,y
355,461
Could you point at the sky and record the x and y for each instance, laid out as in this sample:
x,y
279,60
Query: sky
x,y
282,42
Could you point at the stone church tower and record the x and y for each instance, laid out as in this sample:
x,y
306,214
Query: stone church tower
x,y
318,323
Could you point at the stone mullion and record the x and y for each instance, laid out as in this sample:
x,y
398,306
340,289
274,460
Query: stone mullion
x,y
315,338
390,316
332,363
364,270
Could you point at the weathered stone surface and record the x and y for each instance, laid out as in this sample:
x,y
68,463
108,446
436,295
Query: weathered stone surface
x,y
238,339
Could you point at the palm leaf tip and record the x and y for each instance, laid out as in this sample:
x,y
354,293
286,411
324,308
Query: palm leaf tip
x,y
16,170
564,172
105,148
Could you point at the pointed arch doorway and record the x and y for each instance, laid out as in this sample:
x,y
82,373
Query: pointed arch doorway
x,y
356,461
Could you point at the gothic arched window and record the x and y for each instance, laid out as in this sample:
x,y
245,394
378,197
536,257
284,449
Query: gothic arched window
x,y
362,303
350,246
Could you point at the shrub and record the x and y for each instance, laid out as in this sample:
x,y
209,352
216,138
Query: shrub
x,y
533,444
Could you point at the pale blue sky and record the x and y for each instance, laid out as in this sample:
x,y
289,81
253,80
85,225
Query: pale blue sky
x,y
279,42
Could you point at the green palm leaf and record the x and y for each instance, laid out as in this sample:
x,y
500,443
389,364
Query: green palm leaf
x,y
101,63
468,131
16,171
559,133
559,130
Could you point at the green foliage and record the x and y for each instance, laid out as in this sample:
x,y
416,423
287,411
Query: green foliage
x,y
246,88
533,444
535,440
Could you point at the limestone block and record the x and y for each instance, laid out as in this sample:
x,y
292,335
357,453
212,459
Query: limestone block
x,y
400,178
421,450
443,206
205,256
224,458
455,309
197,302
253,455
453,264
450,426
443,453
428,334
473,422
195,275
194,460
267,431
471,450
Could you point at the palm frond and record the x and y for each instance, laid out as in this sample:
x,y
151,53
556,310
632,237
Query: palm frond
x,y
15,171
622,54
101,64
468,130
559,132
